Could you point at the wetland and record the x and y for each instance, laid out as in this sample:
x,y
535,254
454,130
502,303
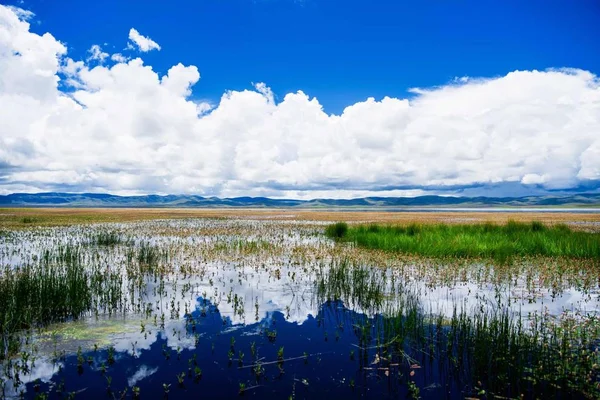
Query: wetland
x,y
223,304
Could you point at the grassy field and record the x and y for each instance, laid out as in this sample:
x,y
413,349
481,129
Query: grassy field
x,y
498,242
31,217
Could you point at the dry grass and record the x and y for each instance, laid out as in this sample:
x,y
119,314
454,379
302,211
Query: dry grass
x,y
29,217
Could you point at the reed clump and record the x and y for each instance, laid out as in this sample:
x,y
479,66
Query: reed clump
x,y
502,243
353,284
106,238
337,230
148,257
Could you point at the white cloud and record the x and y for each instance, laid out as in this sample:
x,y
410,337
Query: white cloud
x,y
96,54
143,43
120,58
123,128
23,14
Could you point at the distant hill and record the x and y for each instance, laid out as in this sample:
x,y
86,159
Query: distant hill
x,y
108,200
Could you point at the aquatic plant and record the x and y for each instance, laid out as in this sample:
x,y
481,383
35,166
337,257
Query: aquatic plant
x,y
58,288
337,230
166,389
498,242
170,279
271,334
354,284
546,358
148,257
106,238
180,379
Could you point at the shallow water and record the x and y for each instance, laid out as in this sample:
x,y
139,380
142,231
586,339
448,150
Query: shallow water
x,y
251,281
333,366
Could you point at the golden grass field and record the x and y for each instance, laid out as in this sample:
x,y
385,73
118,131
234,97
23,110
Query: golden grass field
x,y
30,217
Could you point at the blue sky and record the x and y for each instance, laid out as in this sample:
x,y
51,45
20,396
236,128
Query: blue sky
x,y
340,52
300,98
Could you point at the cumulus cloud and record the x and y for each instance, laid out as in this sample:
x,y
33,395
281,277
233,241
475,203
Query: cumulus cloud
x,y
143,43
123,128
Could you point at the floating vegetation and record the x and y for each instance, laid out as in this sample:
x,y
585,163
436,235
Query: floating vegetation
x,y
498,242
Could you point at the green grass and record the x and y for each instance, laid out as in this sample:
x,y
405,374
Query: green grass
x,y
498,242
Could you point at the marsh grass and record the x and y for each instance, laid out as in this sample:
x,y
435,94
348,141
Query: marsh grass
x,y
148,256
353,284
337,230
502,243
58,288
544,357
491,349
239,246
106,238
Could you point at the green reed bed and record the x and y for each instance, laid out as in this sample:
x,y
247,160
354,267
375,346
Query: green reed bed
x,y
40,294
58,288
496,353
498,242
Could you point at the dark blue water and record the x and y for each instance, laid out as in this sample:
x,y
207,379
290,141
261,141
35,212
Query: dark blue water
x,y
322,360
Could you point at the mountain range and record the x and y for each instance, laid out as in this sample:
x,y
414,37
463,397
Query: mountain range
x,y
54,199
